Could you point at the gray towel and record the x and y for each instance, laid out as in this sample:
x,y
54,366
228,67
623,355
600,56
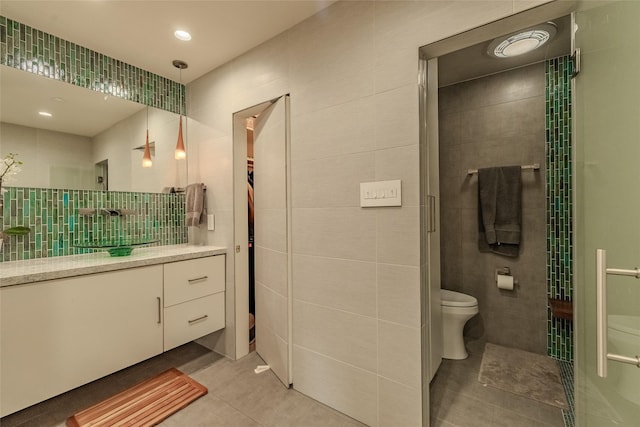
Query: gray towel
x,y
196,207
500,210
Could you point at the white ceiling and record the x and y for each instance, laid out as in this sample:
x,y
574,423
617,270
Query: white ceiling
x,y
138,32
75,110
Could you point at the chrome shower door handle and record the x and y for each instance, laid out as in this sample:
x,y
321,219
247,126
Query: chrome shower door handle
x,y
601,314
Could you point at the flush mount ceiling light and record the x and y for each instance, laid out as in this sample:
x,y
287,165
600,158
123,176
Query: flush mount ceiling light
x,y
182,35
523,41
45,114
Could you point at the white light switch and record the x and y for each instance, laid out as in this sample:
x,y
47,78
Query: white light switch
x,y
211,222
381,193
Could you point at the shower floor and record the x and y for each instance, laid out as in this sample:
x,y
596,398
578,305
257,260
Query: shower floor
x,y
458,399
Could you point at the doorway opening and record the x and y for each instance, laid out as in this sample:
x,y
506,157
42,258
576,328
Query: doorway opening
x,y
250,229
262,234
101,175
476,115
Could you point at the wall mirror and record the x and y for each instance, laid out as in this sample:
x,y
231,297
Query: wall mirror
x,y
89,140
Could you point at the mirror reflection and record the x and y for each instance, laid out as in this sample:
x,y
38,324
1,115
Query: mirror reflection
x,y
85,139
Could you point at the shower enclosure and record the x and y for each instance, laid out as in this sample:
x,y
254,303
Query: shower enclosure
x,y
607,211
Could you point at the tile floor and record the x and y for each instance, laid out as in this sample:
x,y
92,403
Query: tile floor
x,y
237,396
458,399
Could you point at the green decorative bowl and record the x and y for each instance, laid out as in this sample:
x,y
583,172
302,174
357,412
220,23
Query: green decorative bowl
x,y
119,247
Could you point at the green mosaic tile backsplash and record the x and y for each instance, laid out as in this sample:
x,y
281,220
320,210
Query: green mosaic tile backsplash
x,y
55,222
35,51
559,201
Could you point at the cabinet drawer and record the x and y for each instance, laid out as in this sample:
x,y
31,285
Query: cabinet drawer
x,y
193,319
194,278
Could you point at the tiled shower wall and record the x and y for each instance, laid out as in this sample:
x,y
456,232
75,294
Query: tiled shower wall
x,y
462,146
559,201
52,215
497,120
35,51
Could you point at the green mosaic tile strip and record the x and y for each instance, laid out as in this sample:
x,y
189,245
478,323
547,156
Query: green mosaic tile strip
x,y
55,222
559,204
35,51
566,377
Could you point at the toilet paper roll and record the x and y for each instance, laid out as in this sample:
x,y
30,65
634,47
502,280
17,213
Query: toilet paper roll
x,y
505,282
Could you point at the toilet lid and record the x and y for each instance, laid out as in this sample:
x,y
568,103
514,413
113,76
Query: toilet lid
x,y
457,299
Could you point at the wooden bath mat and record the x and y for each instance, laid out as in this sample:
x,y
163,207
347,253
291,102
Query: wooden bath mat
x,y
145,404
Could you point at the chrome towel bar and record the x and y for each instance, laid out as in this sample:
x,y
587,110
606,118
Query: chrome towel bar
x,y
535,167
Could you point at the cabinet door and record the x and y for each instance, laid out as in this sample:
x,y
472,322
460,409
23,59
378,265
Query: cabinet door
x,y
60,334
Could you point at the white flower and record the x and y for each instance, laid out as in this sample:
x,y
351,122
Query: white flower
x,y
9,167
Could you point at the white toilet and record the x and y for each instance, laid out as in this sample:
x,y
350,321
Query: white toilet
x,y
457,308
624,337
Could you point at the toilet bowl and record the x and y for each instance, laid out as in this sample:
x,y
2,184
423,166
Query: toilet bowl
x,y
624,337
457,308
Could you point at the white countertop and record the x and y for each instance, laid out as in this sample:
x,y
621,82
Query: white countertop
x,y
37,270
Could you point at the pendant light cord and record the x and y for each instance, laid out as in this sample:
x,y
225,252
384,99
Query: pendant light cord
x,y
183,97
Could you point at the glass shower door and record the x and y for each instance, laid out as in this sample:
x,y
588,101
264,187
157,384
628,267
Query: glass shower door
x,y
607,213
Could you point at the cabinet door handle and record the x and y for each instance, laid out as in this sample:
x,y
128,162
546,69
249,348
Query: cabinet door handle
x,y
197,319
159,310
197,279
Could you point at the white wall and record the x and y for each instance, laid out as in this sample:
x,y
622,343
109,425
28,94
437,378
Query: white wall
x,y
50,159
351,71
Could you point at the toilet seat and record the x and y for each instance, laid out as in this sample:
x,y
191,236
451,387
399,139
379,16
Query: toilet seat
x,y
456,299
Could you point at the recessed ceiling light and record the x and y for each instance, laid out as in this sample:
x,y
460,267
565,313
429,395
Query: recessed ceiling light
x,y
58,99
182,35
45,113
521,42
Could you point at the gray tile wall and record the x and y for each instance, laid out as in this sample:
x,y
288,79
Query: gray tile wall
x,y
498,120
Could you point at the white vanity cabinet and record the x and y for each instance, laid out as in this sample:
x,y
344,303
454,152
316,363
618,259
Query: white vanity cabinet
x,y
59,334
194,297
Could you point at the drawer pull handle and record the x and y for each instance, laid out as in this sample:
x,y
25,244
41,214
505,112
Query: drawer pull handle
x,y
197,279
197,319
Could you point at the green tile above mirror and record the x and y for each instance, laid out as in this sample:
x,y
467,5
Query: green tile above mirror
x,y
35,51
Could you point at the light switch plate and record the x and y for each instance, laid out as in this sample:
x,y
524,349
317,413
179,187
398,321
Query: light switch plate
x,y
381,193
211,222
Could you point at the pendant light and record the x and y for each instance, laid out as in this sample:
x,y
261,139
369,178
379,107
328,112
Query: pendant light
x,y
180,153
146,158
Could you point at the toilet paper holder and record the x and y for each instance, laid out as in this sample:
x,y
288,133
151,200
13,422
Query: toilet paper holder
x,y
505,271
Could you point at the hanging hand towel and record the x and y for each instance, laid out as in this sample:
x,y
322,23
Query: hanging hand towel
x,y
196,208
500,210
